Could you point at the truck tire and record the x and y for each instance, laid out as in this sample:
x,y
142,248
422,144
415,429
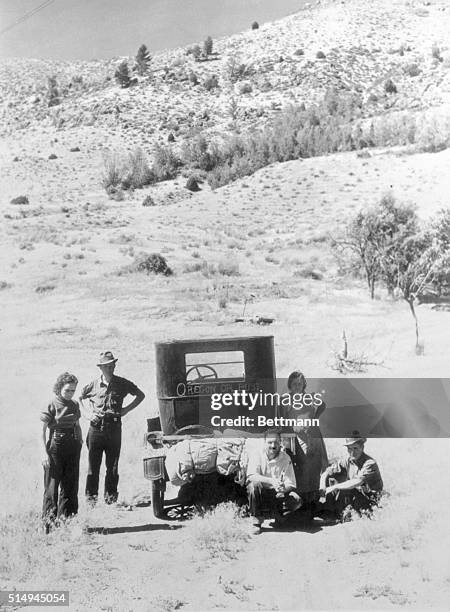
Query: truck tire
x,y
158,488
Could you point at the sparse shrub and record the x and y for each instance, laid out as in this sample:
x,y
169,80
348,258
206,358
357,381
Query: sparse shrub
x,y
412,70
116,194
148,201
255,25
170,137
226,268
193,78
45,288
53,92
192,184
195,51
320,55
211,83
152,263
132,172
122,75
5,285
23,199
221,532
52,156
299,52
200,153
245,88
390,87
234,69
208,46
143,60
436,53
165,163
309,271
233,108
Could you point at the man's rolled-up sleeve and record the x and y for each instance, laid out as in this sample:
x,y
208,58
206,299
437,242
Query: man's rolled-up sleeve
x,y
87,391
370,475
131,389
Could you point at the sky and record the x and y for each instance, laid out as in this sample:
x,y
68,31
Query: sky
x,y
102,29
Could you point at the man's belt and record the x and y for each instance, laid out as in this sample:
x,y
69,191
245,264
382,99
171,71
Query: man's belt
x,y
106,421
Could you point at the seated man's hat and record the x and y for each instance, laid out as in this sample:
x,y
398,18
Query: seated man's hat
x,y
355,438
105,358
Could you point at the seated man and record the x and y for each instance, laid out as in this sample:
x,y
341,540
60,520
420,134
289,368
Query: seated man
x,y
271,481
354,481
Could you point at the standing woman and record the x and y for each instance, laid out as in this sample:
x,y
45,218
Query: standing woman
x,y
61,451
310,455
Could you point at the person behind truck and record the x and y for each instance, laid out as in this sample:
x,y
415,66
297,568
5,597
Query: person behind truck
x,y
352,483
271,481
61,452
106,395
309,455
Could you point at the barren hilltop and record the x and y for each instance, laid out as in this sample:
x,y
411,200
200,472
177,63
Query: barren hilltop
x,y
208,185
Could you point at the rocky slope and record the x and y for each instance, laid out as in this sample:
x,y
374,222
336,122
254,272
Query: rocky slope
x,y
353,46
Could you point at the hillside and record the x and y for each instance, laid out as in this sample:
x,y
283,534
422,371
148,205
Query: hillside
x,y
364,43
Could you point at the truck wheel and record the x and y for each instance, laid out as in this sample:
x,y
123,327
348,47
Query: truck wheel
x,y
158,487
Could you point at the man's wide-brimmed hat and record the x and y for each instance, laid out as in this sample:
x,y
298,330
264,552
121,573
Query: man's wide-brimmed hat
x,y
355,438
105,358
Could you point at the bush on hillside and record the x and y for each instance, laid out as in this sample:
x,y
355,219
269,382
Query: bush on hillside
x,y
255,25
208,46
165,163
122,75
143,60
390,87
200,153
53,92
152,263
130,172
192,184
211,83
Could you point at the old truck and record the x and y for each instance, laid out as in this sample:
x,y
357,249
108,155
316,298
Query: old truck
x,y
191,372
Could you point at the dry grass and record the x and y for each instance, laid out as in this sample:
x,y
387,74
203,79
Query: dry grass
x,y
221,532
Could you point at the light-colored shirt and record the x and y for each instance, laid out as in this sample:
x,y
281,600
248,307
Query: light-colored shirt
x,y
280,468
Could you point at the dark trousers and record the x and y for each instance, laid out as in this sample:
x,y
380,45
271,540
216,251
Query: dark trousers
x,y
359,500
262,500
106,439
61,478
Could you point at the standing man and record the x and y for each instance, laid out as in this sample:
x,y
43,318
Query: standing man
x,y
271,481
353,482
106,395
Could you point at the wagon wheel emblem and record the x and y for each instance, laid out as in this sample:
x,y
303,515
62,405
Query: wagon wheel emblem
x,y
201,373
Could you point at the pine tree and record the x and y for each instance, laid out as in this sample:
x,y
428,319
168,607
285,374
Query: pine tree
x,y
122,74
208,46
53,92
143,59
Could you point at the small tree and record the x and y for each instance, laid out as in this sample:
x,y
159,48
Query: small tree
x,y
143,59
53,92
419,260
208,46
122,75
393,248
